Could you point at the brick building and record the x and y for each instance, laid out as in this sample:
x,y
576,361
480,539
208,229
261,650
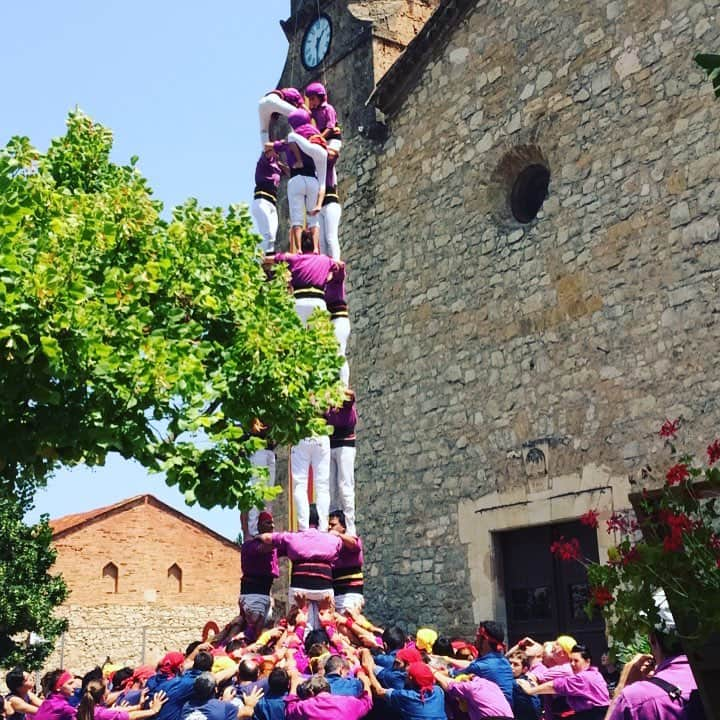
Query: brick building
x,y
531,194
143,579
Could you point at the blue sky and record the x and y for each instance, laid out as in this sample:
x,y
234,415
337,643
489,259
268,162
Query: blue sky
x,y
178,83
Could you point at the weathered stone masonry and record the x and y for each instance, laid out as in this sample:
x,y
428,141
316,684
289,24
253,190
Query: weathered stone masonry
x,y
474,336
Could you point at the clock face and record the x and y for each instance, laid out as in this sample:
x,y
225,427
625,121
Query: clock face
x,y
316,43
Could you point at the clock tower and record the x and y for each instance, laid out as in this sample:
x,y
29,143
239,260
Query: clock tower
x,y
347,46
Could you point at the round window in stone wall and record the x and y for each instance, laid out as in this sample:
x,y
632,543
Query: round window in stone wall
x,y
529,191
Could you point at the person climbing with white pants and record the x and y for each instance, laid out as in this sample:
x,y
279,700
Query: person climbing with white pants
x,y
306,187
309,275
264,206
342,458
331,211
282,101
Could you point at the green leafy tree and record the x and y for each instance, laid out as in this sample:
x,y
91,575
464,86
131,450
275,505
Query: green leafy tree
x,y
123,332
28,593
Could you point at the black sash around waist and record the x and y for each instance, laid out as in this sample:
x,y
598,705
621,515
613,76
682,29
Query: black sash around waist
x,y
311,575
309,292
331,195
266,192
256,584
305,171
348,580
338,309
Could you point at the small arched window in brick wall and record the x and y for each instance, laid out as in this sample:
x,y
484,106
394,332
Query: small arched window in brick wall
x,y
174,578
110,578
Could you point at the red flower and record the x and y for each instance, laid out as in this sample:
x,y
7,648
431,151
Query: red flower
x,y
601,596
566,549
676,474
617,521
678,523
713,451
670,428
590,518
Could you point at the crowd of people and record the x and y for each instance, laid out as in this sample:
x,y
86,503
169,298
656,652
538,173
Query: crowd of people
x,y
327,659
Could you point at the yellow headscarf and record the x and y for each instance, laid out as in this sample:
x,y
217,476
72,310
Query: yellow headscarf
x,y
425,639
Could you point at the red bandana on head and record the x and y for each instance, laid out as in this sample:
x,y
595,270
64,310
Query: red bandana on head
x,y
495,643
422,676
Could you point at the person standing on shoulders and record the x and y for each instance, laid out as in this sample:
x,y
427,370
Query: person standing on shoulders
x,y
347,570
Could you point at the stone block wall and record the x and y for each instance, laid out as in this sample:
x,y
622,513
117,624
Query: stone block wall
x,y
475,337
130,634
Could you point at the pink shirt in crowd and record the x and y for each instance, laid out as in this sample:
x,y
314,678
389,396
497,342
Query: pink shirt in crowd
x,y
644,701
325,706
484,698
583,690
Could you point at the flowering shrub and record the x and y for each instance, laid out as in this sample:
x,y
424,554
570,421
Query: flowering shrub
x,y
673,544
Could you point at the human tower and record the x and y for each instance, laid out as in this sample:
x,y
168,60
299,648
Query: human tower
x,y
307,157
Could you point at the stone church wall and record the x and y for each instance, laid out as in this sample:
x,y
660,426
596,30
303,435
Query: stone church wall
x,y
475,338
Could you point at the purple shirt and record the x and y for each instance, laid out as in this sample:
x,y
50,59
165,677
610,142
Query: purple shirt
x,y
645,701
255,559
583,690
325,706
309,544
267,172
56,707
484,698
308,269
335,290
324,116
350,557
289,95
105,713
543,673
343,419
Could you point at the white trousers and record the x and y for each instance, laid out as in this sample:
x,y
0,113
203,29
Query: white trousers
x,y
342,484
329,230
268,105
341,328
312,452
349,601
304,307
261,458
302,192
266,219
